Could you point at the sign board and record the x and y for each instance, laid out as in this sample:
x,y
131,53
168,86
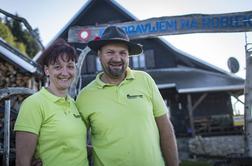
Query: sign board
x,y
238,120
184,24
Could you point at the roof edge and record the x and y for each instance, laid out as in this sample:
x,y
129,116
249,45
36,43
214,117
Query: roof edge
x,y
211,89
18,58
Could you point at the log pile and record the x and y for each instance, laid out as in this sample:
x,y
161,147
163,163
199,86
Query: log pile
x,y
10,77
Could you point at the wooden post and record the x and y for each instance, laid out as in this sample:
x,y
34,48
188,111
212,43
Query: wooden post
x,y
248,102
6,148
190,110
5,94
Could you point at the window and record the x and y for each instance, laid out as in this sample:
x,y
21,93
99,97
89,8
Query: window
x,y
145,60
150,59
138,61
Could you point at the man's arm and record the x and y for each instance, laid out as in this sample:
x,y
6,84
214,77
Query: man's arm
x,y
25,147
167,140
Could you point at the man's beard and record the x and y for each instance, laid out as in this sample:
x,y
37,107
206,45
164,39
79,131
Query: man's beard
x,y
114,72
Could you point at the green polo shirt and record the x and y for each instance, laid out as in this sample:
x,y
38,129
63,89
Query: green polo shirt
x,y
122,120
60,129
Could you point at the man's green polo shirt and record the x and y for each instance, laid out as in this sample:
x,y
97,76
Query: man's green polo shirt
x,y
122,120
60,129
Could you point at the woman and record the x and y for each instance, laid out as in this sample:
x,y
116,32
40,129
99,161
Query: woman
x,y
49,126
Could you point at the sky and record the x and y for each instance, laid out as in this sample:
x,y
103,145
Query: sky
x,y
50,16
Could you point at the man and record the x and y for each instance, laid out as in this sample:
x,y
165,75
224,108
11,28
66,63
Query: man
x,y
124,109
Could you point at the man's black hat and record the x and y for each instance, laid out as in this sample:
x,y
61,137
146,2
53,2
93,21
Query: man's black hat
x,y
115,34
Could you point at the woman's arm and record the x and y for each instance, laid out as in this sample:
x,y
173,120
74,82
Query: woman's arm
x,y
25,147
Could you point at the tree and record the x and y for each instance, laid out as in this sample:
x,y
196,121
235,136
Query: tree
x,y
7,22
31,46
17,30
24,37
20,37
21,47
5,34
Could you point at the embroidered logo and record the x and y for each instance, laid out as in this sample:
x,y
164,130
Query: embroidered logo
x,y
134,96
77,115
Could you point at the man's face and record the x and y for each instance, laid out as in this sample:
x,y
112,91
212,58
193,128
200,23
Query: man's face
x,y
114,59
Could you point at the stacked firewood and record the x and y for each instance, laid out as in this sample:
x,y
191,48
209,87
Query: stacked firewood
x,y
11,77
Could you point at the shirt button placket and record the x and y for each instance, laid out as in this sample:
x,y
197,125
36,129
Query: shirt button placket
x,y
120,94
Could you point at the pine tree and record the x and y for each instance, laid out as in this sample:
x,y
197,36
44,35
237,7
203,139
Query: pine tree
x,y
17,30
31,46
22,39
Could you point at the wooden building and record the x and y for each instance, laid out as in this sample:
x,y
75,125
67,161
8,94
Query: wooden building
x,y
197,93
16,71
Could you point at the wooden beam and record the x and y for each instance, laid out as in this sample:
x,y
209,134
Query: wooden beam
x,y
190,110
202,97
248,102
7,92
170,25
73,89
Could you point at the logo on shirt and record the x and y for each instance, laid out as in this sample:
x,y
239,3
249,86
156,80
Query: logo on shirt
x,y
134,96
77,115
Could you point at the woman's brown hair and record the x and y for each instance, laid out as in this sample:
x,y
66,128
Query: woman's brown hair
x,y
59,48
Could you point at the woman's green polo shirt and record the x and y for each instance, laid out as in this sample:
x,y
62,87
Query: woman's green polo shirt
x,y
60,129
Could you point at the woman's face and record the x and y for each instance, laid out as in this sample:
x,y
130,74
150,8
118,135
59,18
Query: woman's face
x,y
61,74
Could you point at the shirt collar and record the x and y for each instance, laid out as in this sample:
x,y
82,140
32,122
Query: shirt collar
x,y
130,74
52,97
101,84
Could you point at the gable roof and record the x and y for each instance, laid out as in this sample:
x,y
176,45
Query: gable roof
x,y
81,12
85,17
19,60
189,80
192,80
90,4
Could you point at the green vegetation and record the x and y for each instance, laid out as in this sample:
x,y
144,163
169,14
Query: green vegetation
x,y
14,33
